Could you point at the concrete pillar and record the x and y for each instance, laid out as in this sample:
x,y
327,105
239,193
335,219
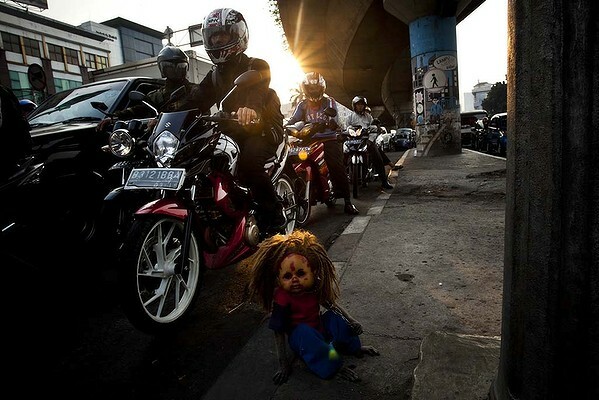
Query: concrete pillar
x,y
433,47
550,326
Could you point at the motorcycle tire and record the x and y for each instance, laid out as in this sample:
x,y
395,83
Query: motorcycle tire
x,y
157,294
304,203
356,177
284,188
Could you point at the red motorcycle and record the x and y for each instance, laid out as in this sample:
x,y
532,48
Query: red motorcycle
x,y
199,218
306,155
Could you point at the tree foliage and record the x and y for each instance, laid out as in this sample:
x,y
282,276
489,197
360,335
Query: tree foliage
x,y
496,100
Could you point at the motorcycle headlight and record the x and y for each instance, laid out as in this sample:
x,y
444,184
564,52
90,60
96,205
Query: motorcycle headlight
x,y
164,146
303,155
121,143
354,132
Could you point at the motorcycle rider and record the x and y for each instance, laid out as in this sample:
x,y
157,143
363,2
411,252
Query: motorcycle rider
x,y
359,117
311,109
173,64
225,33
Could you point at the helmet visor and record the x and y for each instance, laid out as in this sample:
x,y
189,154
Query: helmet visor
x,y
313,92
219,37
173,70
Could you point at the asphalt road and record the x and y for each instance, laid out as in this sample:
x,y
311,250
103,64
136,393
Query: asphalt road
x,y
69,337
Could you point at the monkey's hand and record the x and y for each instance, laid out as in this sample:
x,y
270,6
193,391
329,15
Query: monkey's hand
x,y
356,327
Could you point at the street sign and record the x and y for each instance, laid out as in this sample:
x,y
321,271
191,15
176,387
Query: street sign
x,y
37,77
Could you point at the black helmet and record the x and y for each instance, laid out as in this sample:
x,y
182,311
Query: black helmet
x,y
313,86
359,100
27,105
229,24
173,63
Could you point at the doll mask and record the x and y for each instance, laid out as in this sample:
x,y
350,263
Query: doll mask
x,y
295,275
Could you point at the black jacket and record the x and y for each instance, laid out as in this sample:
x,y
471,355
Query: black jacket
x,y
158,98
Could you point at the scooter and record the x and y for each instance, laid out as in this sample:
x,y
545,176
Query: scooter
x,y
359,166
306,155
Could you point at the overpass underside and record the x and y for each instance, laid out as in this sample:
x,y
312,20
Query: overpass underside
x,y
362,47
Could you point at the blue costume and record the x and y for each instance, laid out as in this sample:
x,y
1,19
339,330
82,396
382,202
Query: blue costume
x,y
314,337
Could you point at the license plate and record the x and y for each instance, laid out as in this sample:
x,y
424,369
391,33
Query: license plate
x,y
354,142
156,178
294,151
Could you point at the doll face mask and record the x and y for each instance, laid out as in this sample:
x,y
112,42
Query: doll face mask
x,y
295,275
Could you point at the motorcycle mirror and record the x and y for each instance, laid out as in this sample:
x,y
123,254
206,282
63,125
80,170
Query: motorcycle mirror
x,y
139,96
136,96
247,79
100,106
331,112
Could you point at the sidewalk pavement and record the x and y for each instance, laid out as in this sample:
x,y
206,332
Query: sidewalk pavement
x,y
422,271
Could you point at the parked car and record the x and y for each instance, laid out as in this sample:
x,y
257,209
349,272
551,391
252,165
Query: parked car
x,y
404,138
75,178
468,122
383,139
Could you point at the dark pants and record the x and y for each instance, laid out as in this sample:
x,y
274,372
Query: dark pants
x,y
255,150
320,351
333,156
379,160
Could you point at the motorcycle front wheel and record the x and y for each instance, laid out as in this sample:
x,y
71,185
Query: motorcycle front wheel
x,y
285,192
304,206
356,178
158,289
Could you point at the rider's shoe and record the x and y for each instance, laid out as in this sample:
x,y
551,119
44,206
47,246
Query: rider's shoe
x,y
386,185
395,167
274,220
351,209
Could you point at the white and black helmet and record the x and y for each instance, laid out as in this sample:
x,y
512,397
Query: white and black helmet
x,y
359,100
173,63
231,24
313,86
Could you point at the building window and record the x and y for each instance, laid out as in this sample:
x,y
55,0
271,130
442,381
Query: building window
x,y
102,62
72,56
95,61
55,52
18,80
32,47
11,42
64,84
90,60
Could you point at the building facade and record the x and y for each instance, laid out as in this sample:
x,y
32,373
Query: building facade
x,y
40,56
479,93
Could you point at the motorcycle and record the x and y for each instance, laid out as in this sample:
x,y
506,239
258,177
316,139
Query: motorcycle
x,y
201,218
359,165
127,142
306,155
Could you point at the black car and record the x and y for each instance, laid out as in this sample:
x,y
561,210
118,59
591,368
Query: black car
x,y
71,186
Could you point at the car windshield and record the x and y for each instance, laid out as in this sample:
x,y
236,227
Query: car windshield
x,y
75,104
